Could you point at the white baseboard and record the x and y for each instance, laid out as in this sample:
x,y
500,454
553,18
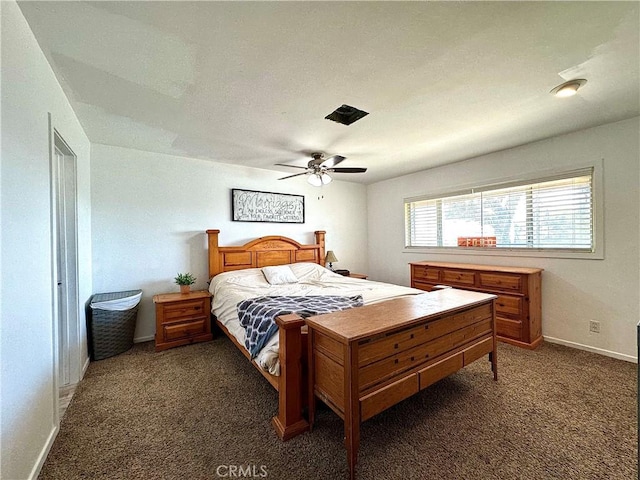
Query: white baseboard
x,y
148,338
43,453
84,368
601,351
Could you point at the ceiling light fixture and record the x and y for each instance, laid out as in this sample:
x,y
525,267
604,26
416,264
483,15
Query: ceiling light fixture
x,y
568,89
315,180
319,179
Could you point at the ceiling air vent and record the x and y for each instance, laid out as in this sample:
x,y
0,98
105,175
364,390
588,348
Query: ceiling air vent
x,y
346,115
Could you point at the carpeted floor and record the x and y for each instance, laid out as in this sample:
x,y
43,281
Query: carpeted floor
x,y
203,412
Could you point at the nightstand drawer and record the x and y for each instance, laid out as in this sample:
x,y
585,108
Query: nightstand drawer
x,y
176,331
185,310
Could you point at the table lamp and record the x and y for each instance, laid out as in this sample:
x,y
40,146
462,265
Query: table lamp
x,y
330,258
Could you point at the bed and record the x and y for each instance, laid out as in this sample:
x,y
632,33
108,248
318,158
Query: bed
x,y
283,359
238,273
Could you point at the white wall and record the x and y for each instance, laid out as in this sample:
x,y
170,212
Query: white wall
x,y
29,91
573,291
150,212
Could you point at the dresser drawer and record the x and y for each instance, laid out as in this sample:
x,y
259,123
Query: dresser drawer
x,y
509,305
176,331
427,287
458,277
405,339
426,273
506,327
501,281
185,310
380,400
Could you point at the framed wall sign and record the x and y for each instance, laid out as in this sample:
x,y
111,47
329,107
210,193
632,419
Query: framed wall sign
x,y
254,206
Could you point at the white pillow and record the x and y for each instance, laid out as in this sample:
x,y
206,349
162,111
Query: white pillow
x,y
279,275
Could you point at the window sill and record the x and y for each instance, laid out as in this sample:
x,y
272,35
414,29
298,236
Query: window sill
x,y
506,252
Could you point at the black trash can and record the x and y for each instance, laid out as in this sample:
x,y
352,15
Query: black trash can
x,y
113,322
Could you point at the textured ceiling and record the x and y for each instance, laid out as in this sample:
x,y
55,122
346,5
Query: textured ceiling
x,y
250,83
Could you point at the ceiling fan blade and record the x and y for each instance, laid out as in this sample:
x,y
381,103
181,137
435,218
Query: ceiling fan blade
x,y
291,166
294,175
348,170
332,161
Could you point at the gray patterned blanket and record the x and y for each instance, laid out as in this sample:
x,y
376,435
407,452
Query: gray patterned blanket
x,y
258,315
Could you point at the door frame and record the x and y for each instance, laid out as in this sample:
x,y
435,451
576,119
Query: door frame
x,y
72,327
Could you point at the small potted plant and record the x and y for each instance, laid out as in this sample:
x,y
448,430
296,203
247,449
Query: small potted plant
x,y
185,280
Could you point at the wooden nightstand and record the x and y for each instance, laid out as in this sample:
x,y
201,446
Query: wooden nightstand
x,y
182,318
358,275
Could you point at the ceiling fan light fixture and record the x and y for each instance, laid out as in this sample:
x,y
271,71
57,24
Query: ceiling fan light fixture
x,y
315,180
568,89
318,169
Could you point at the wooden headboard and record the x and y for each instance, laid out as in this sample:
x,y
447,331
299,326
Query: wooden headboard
x,y
262,252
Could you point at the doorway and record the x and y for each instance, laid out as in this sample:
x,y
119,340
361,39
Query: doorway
x,y
65,251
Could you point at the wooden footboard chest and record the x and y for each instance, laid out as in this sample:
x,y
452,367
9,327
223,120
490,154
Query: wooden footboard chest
x,y
364,360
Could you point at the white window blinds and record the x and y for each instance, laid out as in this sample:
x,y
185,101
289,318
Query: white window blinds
x,y
553,213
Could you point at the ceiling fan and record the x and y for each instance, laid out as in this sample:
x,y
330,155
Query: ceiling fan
x,y
319,168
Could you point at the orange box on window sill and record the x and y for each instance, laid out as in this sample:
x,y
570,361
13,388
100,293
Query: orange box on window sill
x,y
476,241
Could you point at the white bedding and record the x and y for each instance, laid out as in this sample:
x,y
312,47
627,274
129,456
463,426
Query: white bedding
x,y
230,288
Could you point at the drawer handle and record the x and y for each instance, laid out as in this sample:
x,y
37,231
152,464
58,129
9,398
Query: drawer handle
x,y
411,336
426,356
395,361
412,359
395,345
196,308
426,327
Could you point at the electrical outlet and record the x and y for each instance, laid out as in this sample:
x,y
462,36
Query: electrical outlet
x,y
594,327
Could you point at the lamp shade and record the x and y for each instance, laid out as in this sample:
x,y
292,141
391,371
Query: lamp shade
x,y
331,257
315,180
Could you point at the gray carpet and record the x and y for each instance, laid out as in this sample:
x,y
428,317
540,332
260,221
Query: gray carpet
x,y
198,412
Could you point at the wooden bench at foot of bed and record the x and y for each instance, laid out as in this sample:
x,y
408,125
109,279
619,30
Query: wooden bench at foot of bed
x,y
364,360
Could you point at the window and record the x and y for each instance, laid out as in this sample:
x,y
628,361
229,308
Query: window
x,y
555,213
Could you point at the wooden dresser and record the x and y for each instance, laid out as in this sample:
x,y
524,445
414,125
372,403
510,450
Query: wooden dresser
x,y
182,318
518,307
362,363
